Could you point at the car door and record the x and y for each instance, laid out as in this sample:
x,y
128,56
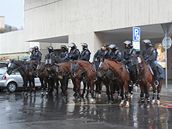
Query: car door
x,y
18,79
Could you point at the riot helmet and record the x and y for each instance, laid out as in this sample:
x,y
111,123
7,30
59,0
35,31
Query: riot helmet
x,y
84,46
112,47
50,49
147,43
36,48
128,44
72,45
64,48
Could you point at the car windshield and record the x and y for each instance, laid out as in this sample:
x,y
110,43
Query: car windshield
x,y
3,70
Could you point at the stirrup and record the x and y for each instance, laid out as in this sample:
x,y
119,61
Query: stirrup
x,y
156,82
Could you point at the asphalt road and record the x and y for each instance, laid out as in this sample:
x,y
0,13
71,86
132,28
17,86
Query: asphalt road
x,y
55,112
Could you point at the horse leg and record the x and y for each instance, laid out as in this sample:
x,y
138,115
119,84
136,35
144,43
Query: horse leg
x,y
153,96
158,92
64,85
74,87
112,91
50,85
122,97
25,86
98,87
108,92
90,85
85,85
77,91
42,85
33,84
147,96
57,86
126,93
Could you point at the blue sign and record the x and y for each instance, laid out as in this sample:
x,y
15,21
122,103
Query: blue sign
x,y
136,34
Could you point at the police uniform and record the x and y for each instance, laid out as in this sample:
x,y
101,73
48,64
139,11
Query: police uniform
x,y
85,54
100,54
36,55
50,58
130,60
74,53
114,53
150,56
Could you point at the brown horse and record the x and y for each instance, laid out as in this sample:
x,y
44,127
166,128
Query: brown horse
x,y
78,71
122,77
63,71
27,71
48,79
85,72
146,82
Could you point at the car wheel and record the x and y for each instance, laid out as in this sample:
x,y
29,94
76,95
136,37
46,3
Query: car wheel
x,y
11,87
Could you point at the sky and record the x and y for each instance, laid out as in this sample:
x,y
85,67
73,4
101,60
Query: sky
x,y
13,10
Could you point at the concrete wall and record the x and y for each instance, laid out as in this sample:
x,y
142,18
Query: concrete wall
x,y
52,18
13,42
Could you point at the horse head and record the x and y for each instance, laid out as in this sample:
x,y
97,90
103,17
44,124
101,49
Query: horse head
x,y
141,66
62,69
102,69
12,66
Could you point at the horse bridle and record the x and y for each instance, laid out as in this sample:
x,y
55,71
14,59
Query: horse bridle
x,y
18,67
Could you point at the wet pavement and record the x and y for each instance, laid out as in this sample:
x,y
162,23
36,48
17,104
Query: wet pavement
x,y
55,112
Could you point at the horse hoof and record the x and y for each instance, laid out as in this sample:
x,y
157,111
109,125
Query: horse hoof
x,y
158,102
122,103
127,104
153,101
92,100
99,96
148,106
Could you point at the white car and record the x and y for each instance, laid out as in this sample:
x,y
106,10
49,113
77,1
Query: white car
x,y
14,81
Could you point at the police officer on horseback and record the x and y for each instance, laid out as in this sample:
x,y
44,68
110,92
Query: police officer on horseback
x,y
131,61
74,53
36,54
150,55
100,54
114,53
85,54
50,58
64,53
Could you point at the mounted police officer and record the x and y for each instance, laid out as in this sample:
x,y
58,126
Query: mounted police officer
x,y
85,54
74,53
131,61
150,55
36,55
100,54
114,53
64,53
50,58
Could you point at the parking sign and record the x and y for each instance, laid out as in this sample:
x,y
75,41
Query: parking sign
x,y
136,34
136,38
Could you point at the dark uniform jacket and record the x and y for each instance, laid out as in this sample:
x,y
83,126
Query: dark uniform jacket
x,y
115,55
64,56
85,55
50,58
36,55
74,54
100,54
130,57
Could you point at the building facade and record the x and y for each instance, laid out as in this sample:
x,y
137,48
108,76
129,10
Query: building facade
x,y
96,22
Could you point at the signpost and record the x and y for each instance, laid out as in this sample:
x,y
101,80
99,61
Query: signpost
x,y
136,38
166,43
